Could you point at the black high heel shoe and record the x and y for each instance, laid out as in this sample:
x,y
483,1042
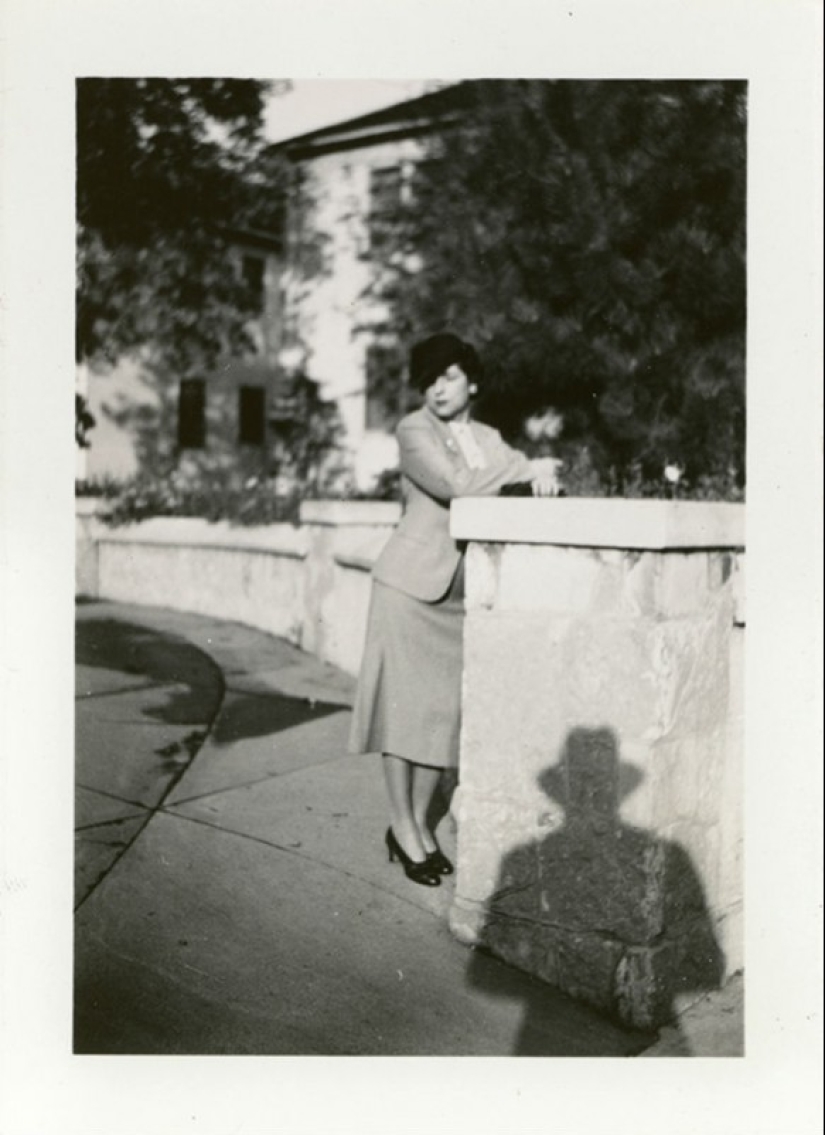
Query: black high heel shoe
x,y
439,862
422,873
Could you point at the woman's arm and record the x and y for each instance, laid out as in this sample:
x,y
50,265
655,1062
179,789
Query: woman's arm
x,y
424,461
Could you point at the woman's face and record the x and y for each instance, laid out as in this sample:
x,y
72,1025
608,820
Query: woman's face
x,y
449,396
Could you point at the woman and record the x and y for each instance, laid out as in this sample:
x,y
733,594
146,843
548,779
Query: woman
x,y
408,701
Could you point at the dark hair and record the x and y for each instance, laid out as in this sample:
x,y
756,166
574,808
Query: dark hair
x,y
432,356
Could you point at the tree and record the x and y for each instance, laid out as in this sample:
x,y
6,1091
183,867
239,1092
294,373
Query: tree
x,y
590,238
165,169
306,439
84,420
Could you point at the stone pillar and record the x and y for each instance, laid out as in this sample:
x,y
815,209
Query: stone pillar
x,y
333,527
598,800
87,528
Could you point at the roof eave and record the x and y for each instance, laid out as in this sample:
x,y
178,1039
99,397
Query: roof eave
x,y
413,116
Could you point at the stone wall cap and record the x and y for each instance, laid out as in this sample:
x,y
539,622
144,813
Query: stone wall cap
x,y
188,531
89,506
337,513
599,522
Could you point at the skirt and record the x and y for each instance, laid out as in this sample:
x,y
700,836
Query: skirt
x,y
408,700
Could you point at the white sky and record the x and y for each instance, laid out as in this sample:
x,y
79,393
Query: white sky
x,y
313,103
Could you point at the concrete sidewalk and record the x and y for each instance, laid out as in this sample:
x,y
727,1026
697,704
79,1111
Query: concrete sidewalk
x,y
233,892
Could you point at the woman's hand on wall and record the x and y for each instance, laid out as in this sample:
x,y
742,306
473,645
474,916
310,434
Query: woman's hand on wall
x,y
545,476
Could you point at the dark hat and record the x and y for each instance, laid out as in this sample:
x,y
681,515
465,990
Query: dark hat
x,y
432,356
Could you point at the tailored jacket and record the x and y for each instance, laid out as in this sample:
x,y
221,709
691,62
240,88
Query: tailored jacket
x,y
421,557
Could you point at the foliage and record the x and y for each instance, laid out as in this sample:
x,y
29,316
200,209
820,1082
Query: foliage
x,y
385,487
211,495
589,237
306,443
84,420
302,464
579,477
100,488
217,494
166,169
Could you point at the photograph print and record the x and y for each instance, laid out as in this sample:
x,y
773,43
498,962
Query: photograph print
x,y
410,624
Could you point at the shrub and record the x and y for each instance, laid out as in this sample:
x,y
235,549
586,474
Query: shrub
x,y
387,487
212,496
581,478
103,487
223,495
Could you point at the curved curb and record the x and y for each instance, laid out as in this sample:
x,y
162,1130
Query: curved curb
x,y
152,810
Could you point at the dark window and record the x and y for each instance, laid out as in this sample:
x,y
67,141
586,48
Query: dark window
x,y
385,204
426,181
252,268
192,414
385,387
251,415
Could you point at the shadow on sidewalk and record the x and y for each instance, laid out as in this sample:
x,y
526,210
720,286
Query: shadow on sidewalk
x,y
127,648
245,716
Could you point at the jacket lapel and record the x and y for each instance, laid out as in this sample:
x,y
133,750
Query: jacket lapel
x,y
444,434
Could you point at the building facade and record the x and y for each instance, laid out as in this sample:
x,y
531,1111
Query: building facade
x,y
144,416
319,319
354,177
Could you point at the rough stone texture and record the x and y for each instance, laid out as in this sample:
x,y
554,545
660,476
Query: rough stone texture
x,y
260,588
85,561
731,792
599,809
346,617
739,594
599,829
318,576
350,513
338,593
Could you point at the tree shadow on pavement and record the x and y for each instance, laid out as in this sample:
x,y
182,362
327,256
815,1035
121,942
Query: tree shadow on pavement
x,y
127,648
611,913
246,716
162,658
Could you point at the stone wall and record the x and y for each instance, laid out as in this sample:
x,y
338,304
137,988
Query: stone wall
x,y
344,539
308,583
87,529
599,809
600,803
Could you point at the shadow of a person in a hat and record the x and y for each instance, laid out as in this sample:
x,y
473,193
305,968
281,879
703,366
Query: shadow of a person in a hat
x,y
616,915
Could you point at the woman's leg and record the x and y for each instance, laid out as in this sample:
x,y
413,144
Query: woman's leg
x,y
425,780
399,779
